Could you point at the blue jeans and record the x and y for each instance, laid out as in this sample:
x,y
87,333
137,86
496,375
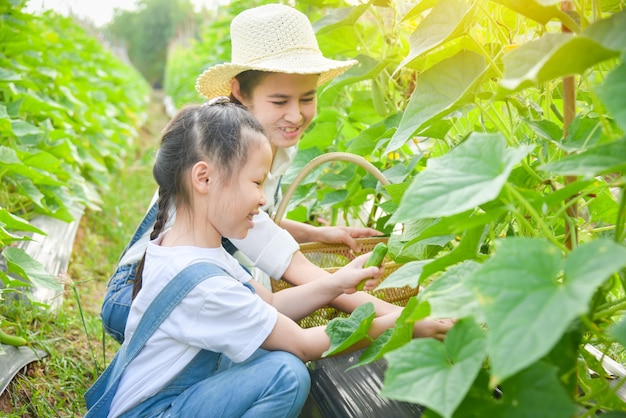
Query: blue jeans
x,y
269,384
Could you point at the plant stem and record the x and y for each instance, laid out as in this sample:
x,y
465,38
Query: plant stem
x,y
540,223
621,216
610,311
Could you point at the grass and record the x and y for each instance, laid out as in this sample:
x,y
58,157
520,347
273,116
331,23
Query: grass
x,y
73,337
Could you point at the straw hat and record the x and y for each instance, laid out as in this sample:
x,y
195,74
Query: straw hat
x,y
273,38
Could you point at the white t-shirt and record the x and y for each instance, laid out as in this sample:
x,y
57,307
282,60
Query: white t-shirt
x,y
220,314
267,245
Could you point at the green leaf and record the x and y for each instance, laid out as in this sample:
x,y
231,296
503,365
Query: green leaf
x,y
344,332
618,331
538,12
10,221
22,264
469,175
440,89
610,32
8,75
446,21
337,18
392,338
450,296
22,128
436,374
525,278
466,250
552,56
604,158
613,94
407,275
536,390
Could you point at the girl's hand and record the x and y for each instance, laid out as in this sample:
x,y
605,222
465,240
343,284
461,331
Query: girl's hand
x,y
351,274
345,235
431,327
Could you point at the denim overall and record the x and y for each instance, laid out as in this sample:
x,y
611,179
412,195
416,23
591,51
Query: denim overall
x,y
118,296
269,383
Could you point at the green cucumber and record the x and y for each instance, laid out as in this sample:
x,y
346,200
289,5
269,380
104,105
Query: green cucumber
x,y
375,259
12,340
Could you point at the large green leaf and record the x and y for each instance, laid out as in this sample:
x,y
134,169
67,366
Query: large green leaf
x,y
395,337
552,56
471,174
10,221
610,32
22,264
604,158
446,21
613,94
440,89
535,392
344,332
530,295
336,18
407,275
536,11
436,374
449,295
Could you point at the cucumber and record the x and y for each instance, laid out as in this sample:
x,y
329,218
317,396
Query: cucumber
x,y
11,339
375,259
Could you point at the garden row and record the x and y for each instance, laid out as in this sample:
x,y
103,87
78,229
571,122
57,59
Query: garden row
x,y
68,112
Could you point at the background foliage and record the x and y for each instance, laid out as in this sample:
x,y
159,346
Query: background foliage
x,y
68,112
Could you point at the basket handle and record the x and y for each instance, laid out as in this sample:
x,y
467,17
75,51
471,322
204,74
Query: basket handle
x,y
331,156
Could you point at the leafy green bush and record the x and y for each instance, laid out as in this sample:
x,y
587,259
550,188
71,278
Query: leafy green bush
x,y
68,112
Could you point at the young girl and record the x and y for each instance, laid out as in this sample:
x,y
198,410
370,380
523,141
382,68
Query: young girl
x,y
275,71
229,348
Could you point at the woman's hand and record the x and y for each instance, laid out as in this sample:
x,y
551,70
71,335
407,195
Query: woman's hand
x,y
344,235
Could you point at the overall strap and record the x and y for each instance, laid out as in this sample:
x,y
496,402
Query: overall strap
x,y
101,393
166,301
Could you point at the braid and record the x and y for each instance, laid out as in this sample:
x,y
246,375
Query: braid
x,y
210,132
161,220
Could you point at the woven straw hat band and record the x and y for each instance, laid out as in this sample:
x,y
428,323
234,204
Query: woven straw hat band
x,y
274,38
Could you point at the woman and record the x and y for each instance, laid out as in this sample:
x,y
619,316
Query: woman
x,y
275,71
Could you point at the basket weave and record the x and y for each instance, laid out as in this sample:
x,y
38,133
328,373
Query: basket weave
x,y
331,257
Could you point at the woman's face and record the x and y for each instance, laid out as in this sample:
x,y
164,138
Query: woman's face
x,y
285,104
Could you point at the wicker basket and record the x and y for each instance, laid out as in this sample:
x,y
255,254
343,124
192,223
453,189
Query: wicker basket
x,y
331,257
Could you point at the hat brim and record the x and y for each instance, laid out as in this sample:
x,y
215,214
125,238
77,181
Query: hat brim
x,y
215,81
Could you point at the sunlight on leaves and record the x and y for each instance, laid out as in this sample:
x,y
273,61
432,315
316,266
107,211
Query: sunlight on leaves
x,y
439,90
446,21
471,174
601,159
552,56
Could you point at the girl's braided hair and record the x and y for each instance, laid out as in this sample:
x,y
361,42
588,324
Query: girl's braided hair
x,y
208,132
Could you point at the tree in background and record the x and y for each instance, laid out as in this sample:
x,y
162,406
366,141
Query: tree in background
x,y
148,31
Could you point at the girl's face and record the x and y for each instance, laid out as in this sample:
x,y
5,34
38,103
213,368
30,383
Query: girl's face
x,y
285,104
241,196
